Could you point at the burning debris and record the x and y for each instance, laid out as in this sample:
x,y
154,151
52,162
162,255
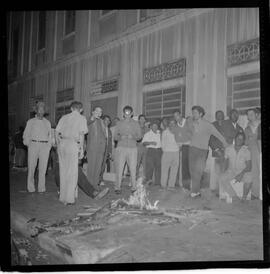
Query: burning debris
x,y
140,199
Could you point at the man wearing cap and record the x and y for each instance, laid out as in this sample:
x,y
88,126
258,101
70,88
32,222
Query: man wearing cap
x,y
127,133
151,140
37,137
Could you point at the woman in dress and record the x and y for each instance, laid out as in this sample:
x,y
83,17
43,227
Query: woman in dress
x,y
252,131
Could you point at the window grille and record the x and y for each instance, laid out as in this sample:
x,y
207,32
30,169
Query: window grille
x,y
243,92
163,102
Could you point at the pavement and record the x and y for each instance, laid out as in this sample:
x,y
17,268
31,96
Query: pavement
x,y
215,231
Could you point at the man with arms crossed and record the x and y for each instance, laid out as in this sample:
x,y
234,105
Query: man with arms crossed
x,y
127,133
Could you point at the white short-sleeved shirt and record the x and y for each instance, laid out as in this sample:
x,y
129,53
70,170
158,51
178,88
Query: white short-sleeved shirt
x,y
38,130
168,142
71,125
151,136
237,161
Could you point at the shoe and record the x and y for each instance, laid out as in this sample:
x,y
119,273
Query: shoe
x,y
118,191
194,195
102,193
133,190
69,204
148,183
171,188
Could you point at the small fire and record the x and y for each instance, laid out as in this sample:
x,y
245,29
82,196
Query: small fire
x,y
140,198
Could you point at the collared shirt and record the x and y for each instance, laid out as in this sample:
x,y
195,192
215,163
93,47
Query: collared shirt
x,y
72,125
151,136
38,130
202,130
230,130
237,160
214,142
144,129
124,128
168,142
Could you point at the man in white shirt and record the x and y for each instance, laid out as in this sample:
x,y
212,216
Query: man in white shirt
x,y
37,137
70,133
170,156
151,141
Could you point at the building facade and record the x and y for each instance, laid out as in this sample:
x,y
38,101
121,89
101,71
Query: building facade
x,y
155,60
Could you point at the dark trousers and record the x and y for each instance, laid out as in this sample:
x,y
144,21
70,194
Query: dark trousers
x,y
83,182
184,165
197,162
153,164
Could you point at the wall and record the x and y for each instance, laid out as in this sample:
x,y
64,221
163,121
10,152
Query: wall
x,y
202,39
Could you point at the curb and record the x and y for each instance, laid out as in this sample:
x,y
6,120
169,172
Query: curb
x,y
19,223
69,249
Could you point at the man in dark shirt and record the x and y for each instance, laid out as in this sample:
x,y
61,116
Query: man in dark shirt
x,y
108,150
182,134
217,148
141,156
230,126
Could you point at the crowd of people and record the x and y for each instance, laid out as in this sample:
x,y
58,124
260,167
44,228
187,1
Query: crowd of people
x,y
168,152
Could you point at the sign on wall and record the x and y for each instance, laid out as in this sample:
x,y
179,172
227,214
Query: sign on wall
x,y
244,52
104,86
165,71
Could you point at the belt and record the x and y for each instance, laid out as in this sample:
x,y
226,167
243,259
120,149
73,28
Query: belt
x,y
38,141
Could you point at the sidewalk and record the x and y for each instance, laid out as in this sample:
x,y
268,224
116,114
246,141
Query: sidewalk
x,y
217,231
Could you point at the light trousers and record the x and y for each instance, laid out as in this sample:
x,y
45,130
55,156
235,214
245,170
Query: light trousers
x,y
123,155
169,163
141,159
226,178
37,152
68,164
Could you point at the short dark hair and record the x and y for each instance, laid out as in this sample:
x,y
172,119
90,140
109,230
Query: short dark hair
x,y
177,111
97,107
221,111
156,122
128,108
141,115
106,116
76,105
199,109
255,110
233,110
242,134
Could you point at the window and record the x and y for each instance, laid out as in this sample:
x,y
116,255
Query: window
x,y
162,103
65,95
60,111
63,100
15,51
41,30
70,20
243,91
